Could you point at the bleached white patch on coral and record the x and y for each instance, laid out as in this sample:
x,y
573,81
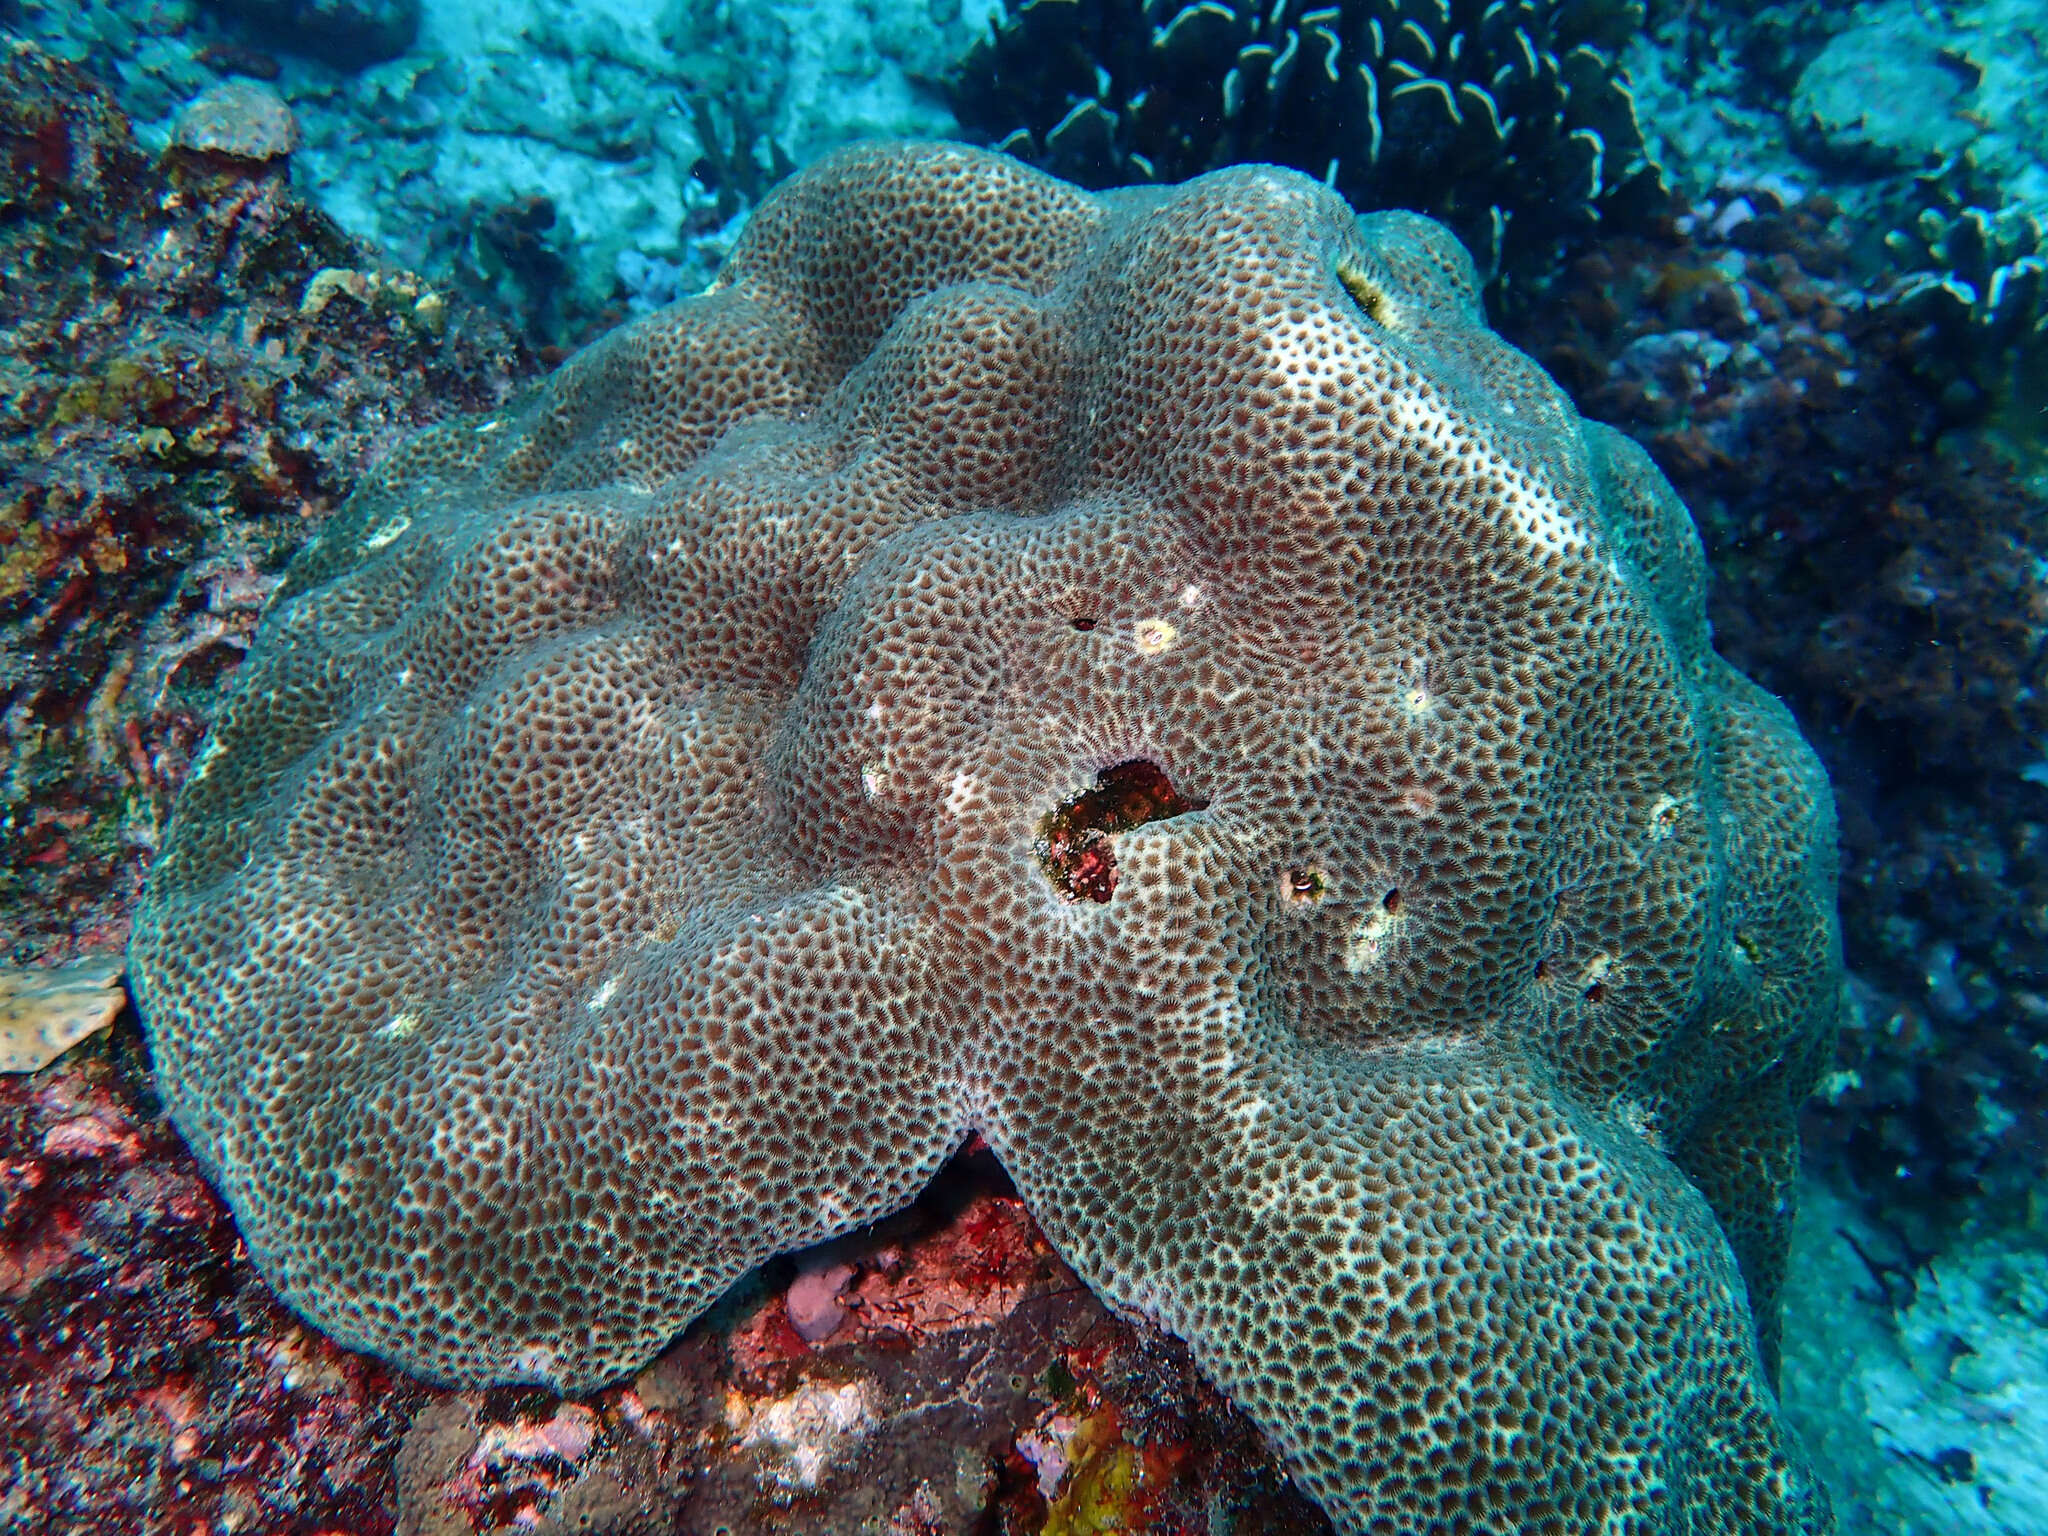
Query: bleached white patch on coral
x,y
1153,637
535,1362
801,1436
401,1025
1666,811
384,535
1415,698
1538,515
1369,939
209,754
962,793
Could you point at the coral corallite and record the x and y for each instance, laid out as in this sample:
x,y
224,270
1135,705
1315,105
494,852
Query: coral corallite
x,y
1148,678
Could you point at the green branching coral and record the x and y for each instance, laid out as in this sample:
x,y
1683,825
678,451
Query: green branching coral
x,y
1977,281
1506,119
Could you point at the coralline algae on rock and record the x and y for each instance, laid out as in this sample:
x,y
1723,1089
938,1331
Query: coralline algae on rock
x,y
1148,678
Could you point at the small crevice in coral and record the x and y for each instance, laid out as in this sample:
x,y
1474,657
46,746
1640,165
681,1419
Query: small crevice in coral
x,y
1074,847
1306,886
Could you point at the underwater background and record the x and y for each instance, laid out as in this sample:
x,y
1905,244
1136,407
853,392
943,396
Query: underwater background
x,y
247,247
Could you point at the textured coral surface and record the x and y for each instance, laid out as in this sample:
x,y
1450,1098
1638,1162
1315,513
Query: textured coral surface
x,y
1877,568
1147,678
151,1385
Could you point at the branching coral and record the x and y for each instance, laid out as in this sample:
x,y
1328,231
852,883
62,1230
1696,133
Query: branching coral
x,y
1508,121
1150,680
1977,279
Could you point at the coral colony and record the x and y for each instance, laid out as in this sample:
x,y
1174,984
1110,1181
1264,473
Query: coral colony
x,y
650,836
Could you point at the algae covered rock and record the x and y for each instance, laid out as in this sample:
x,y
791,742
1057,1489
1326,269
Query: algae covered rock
x,y
243,119
46,1011
1147,679
1882,96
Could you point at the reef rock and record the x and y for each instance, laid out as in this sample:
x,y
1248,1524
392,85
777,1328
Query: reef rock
x,y
1146,678
242,119
44,1012
1882,96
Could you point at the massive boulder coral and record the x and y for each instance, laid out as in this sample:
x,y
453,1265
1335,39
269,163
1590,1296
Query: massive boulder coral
x,y
1147,678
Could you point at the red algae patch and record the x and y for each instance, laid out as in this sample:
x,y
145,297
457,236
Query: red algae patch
x,y
1074,841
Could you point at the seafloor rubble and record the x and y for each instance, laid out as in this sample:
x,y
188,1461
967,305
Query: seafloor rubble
x,y
196,368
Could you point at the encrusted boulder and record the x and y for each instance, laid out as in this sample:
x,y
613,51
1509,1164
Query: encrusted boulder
x,y
1148,679
242,119
1884,95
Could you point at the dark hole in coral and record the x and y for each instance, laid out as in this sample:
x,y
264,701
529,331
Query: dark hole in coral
x,y
205,666
1391,902
511,1405
1956,1464
1597,993
1084,622
1543,970
1074,846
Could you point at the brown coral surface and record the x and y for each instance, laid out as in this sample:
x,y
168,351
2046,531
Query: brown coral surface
x,y
1148,678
